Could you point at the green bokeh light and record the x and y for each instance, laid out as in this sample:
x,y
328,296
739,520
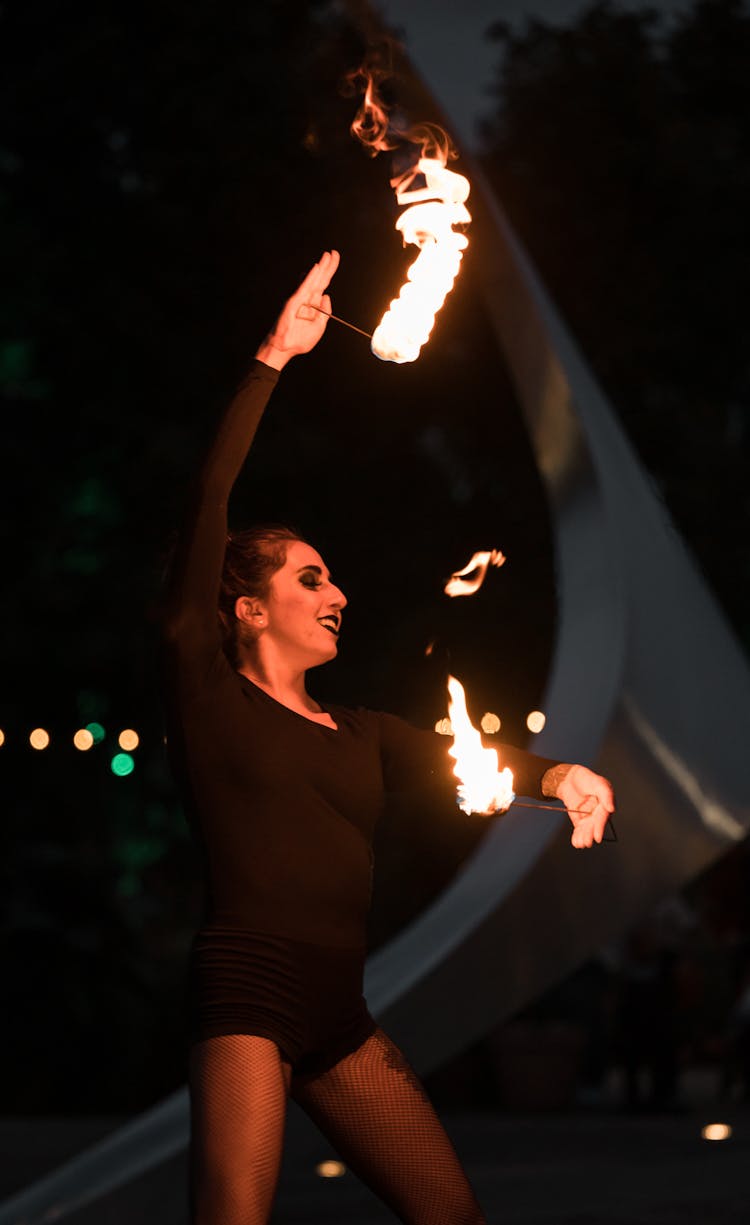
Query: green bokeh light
x,y
15,361
81,561
122,764
17,370
93,499
97,731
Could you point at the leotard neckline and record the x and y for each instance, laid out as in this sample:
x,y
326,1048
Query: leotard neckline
x,y
282,706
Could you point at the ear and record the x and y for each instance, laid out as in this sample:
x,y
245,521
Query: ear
x,y
251,611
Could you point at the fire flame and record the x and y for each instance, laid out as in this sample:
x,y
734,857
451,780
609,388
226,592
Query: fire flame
x,y
482,786
459,584
434,207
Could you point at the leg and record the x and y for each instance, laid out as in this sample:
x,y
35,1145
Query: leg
x,y
376,1114
238,1091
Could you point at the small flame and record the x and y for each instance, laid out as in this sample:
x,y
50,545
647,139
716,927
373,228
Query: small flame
x,y
459,584
483,786
434,208
371,123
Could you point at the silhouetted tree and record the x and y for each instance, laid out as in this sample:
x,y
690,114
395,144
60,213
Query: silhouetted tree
x,y
621,149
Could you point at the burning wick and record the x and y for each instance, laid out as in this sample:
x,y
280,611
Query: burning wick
x,y
434,208
459,584
428,224
338,319
482,786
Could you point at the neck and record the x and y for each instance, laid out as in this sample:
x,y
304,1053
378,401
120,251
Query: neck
x,y
278,678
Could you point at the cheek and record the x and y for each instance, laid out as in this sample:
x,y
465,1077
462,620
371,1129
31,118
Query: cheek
x,y
294,610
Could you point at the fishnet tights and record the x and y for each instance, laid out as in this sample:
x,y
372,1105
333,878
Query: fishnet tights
x,y
370,1106
238,1092
378,1117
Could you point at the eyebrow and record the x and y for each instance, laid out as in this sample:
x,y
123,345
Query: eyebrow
x,y
315,569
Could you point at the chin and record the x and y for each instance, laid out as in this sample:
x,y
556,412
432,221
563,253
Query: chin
x,y
324,657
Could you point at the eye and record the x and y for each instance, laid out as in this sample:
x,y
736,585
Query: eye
x,y
310,580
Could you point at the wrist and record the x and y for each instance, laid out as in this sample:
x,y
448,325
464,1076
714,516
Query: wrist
x,y
552,778
271,356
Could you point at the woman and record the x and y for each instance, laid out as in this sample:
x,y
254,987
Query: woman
x,y
283,795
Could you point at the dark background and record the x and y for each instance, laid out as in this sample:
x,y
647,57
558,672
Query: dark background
x,y
167,173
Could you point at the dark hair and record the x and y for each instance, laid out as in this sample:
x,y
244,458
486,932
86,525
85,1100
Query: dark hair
x,y
251,559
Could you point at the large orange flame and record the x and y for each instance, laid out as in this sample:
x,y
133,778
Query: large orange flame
x,y
434,207
482,786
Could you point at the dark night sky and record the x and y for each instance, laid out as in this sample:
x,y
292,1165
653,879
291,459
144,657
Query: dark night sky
x,y
449,46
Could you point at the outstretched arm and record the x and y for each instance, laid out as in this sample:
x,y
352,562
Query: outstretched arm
x,y
588,797
413,757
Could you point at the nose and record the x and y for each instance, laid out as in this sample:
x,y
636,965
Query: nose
x,y
338,599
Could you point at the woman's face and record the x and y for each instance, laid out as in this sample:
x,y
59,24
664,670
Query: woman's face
x,y
303,608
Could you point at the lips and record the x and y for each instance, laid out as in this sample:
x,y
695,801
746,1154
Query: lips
x,y
331,622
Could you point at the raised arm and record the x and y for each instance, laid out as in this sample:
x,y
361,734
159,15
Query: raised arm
x,y
196,575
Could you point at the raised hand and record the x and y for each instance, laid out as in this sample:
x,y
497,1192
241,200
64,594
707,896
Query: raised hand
x,y
299,328
584,792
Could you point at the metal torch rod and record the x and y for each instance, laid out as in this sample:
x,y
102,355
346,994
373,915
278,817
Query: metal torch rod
x,y
339,320
556,808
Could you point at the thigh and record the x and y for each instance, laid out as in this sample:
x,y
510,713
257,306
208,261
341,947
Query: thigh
x,y
375,1112
238,1091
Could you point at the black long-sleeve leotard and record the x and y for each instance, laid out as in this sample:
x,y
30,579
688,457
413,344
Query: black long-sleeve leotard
x,y
283,808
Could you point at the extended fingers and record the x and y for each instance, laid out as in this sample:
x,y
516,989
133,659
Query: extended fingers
x,y
583,834
590,828
332,260
605,806
604,793
601,816
305,290
319,277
